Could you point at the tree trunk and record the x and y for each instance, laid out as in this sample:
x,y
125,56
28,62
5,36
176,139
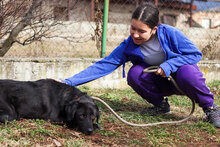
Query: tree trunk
x,y
17,29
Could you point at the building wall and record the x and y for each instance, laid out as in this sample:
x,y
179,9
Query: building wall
x,y
214,18
118,13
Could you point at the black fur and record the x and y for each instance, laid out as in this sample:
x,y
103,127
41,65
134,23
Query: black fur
x,y
49,100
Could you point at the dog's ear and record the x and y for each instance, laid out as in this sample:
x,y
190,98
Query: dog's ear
x,y
96,126
70,110
97,114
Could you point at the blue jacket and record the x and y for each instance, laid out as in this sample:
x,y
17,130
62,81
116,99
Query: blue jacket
x,y
179,50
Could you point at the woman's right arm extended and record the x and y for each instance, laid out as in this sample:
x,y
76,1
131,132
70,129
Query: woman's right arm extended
x,y
100,68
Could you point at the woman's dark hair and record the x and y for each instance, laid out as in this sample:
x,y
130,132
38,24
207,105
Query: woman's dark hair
x,y
148,13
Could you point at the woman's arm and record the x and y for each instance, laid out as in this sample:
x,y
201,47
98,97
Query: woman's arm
x,y
100,68
179,50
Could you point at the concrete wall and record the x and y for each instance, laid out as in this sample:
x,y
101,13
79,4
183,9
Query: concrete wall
x,y
29,69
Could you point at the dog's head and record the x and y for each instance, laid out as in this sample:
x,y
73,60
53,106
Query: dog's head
x,y
81,113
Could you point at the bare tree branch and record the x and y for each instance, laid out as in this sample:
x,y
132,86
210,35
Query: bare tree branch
x,y
17,29
28,21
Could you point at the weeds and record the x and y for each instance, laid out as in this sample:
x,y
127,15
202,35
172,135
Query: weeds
x,y
194,132
108,133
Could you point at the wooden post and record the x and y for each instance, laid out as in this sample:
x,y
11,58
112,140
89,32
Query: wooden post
x,y
92,10
191,13
69,8
156,2
137,3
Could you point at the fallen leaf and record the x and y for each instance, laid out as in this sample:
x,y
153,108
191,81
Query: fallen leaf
x,y
57,142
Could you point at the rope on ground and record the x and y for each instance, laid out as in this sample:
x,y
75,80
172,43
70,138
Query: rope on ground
x,y
150,70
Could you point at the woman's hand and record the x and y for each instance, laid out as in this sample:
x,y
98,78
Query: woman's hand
x,y
58,80
160,72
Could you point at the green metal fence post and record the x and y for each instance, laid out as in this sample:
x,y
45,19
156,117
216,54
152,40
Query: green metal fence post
x,y
104,30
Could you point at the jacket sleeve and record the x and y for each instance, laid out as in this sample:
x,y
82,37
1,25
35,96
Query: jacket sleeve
x,y
100,68
179,50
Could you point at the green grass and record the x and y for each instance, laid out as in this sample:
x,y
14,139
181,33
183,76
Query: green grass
x,y
128,105
108,133
194,132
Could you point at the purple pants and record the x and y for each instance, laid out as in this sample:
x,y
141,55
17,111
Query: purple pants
x,y
153,87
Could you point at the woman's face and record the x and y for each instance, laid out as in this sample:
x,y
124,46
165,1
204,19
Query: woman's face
x,y
140,32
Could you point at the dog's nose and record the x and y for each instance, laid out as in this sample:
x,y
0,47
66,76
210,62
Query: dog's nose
x,y
89,131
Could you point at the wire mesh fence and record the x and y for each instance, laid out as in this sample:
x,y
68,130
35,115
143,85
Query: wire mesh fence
x,y
73,28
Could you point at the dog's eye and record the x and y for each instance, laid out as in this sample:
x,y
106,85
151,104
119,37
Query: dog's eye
x,y
82,116
92,116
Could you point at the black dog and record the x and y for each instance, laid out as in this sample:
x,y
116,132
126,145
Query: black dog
x,y
49,100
